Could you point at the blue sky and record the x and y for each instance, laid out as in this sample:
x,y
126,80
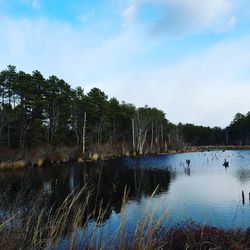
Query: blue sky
x,y
190,58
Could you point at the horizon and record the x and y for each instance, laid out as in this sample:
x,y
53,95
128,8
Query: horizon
x,y
188,58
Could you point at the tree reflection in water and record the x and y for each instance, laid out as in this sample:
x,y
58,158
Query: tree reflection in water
x,y
106,181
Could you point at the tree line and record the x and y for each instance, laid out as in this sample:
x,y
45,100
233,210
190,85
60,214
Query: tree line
x,y
36,111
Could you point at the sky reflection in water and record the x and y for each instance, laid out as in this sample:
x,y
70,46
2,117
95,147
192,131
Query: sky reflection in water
x,y
211,194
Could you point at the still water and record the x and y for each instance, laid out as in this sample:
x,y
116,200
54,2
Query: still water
x,y
209,193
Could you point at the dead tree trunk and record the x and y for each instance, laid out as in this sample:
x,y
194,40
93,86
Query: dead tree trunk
x,y
162,137
133,134
141,141
84,132
152,138
99,134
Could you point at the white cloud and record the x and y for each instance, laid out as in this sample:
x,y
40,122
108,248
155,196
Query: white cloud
x,y
78,55
182,16
129,14
228,26
208,88
87,16
36,4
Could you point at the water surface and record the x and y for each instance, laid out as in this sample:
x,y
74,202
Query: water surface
x,y
208,194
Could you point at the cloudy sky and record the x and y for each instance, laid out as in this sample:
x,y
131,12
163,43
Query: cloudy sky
x,y
190,58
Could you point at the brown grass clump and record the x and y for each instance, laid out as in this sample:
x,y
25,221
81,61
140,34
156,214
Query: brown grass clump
x,y
16,165
59,228
190,235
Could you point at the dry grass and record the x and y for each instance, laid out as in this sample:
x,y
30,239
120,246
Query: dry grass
x,y
16,165
60,226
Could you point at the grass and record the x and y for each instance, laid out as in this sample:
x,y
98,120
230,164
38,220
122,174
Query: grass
x,y
59,227
13,165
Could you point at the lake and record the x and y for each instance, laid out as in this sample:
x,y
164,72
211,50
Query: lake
x,y
208,193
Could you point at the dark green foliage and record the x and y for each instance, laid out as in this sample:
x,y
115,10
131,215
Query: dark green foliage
x,y
238,132
199,135
35,111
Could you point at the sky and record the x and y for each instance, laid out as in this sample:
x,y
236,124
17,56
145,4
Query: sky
x,y
189,58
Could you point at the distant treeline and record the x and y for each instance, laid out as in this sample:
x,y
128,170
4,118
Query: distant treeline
x,y
35,111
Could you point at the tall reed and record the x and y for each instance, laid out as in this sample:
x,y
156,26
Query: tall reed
x,y
70,226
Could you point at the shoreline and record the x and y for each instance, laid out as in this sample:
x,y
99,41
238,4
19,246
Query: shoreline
x,y
22,164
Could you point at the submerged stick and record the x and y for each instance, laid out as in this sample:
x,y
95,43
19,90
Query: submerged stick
x,y
243,198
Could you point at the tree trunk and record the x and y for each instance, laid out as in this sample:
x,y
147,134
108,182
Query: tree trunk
x,y
152,138
162,137
133,134
114,131
84,132
165,146
142,142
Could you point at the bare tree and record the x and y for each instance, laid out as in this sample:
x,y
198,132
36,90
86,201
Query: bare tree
x,y
84,132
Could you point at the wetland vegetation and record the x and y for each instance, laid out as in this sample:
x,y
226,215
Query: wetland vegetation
x,y
148,202
153,201
46,121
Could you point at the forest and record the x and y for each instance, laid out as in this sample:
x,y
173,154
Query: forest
x,y
38,112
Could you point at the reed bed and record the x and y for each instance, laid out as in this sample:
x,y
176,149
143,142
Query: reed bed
x,y
66,226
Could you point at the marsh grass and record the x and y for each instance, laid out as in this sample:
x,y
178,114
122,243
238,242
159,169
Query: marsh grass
x,y
59,227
